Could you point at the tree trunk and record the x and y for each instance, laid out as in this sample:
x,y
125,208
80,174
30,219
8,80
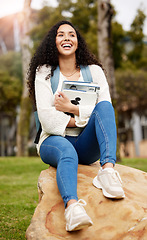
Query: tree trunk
x,y
105,13
25,109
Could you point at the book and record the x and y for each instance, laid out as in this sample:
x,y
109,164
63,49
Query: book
x,y
77,85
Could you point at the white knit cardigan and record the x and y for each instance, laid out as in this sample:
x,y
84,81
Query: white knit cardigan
x,y
54,122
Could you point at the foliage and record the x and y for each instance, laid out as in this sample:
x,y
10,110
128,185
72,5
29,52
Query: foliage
x,y
136,36
10,84
131,88
11,63
10,93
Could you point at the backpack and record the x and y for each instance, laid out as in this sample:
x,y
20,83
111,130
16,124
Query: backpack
x,y
54,84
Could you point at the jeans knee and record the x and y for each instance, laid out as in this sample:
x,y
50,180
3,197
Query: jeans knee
x,y
103,106
69,156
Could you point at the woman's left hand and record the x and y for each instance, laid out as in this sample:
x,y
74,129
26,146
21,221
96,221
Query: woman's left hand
x,y
62,103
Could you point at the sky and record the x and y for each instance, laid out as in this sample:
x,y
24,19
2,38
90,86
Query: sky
x,y
126,9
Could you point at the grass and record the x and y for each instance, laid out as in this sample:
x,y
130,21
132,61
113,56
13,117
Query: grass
x,y
19,196
139,163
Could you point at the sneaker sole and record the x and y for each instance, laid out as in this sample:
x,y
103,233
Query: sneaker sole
x,y
79,226
97,184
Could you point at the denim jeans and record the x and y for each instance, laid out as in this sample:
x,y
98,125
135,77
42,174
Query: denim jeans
x,y
97,140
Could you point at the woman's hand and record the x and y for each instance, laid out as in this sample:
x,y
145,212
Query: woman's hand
x,y
63,104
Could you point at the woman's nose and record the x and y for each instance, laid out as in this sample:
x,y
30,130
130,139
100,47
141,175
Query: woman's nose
x,y
66,38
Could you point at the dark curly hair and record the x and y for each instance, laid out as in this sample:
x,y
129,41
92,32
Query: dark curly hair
x,y
47,53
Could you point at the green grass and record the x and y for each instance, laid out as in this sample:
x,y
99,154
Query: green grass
x,y
19,196
139,163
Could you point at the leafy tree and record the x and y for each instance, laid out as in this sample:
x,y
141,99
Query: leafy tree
x,y
10,93
11,63
136,37
11,82
131,88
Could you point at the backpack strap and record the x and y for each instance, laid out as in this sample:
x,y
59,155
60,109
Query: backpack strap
x,y
86,73
54,85
55,79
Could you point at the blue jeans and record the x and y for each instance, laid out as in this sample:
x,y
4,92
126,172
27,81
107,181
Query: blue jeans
x,y
97,140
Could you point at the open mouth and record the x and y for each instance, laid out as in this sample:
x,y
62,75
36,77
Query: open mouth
x,y
66,45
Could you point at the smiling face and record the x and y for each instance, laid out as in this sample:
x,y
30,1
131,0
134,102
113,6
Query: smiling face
x,y
66,40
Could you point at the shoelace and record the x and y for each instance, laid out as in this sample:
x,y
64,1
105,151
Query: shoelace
x,y
79,202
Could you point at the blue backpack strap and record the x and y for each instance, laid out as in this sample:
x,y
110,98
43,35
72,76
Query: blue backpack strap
x,y
37,120
86,73
55,79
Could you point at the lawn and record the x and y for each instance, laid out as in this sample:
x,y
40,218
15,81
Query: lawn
x,y
139,163
18,192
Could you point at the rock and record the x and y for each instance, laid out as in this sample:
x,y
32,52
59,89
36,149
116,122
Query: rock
x,y
124,219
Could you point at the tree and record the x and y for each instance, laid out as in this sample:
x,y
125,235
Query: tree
x,y
105,13
136,37
118,49
10,93
131,89
25,110
11,63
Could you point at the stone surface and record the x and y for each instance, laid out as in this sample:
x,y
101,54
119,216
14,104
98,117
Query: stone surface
x,y
113,219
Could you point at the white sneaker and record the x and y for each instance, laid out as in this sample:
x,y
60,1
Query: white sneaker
x,y
110,182
76,216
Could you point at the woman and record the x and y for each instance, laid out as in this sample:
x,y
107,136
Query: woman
x,y
66,141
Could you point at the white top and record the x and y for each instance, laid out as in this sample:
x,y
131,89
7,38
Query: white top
x,y
54,122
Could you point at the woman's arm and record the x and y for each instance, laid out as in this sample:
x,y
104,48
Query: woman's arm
x,y
52,121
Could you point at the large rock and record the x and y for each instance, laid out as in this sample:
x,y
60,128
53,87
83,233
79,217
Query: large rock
x,y
113,219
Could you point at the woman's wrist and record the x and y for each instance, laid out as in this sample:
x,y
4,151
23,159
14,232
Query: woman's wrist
x,y
71,123
74,109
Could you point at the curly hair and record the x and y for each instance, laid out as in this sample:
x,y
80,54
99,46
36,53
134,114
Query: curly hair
x,y
47,53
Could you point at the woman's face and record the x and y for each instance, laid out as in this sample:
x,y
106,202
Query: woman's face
x,y
66,40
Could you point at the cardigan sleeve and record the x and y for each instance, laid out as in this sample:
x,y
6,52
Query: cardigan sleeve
x,y
52,121
98,77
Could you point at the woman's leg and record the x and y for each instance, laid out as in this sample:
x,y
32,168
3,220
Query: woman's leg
x,y
59,152
98,139
100,134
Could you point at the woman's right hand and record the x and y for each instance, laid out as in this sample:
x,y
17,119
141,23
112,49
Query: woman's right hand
x,y
63,104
